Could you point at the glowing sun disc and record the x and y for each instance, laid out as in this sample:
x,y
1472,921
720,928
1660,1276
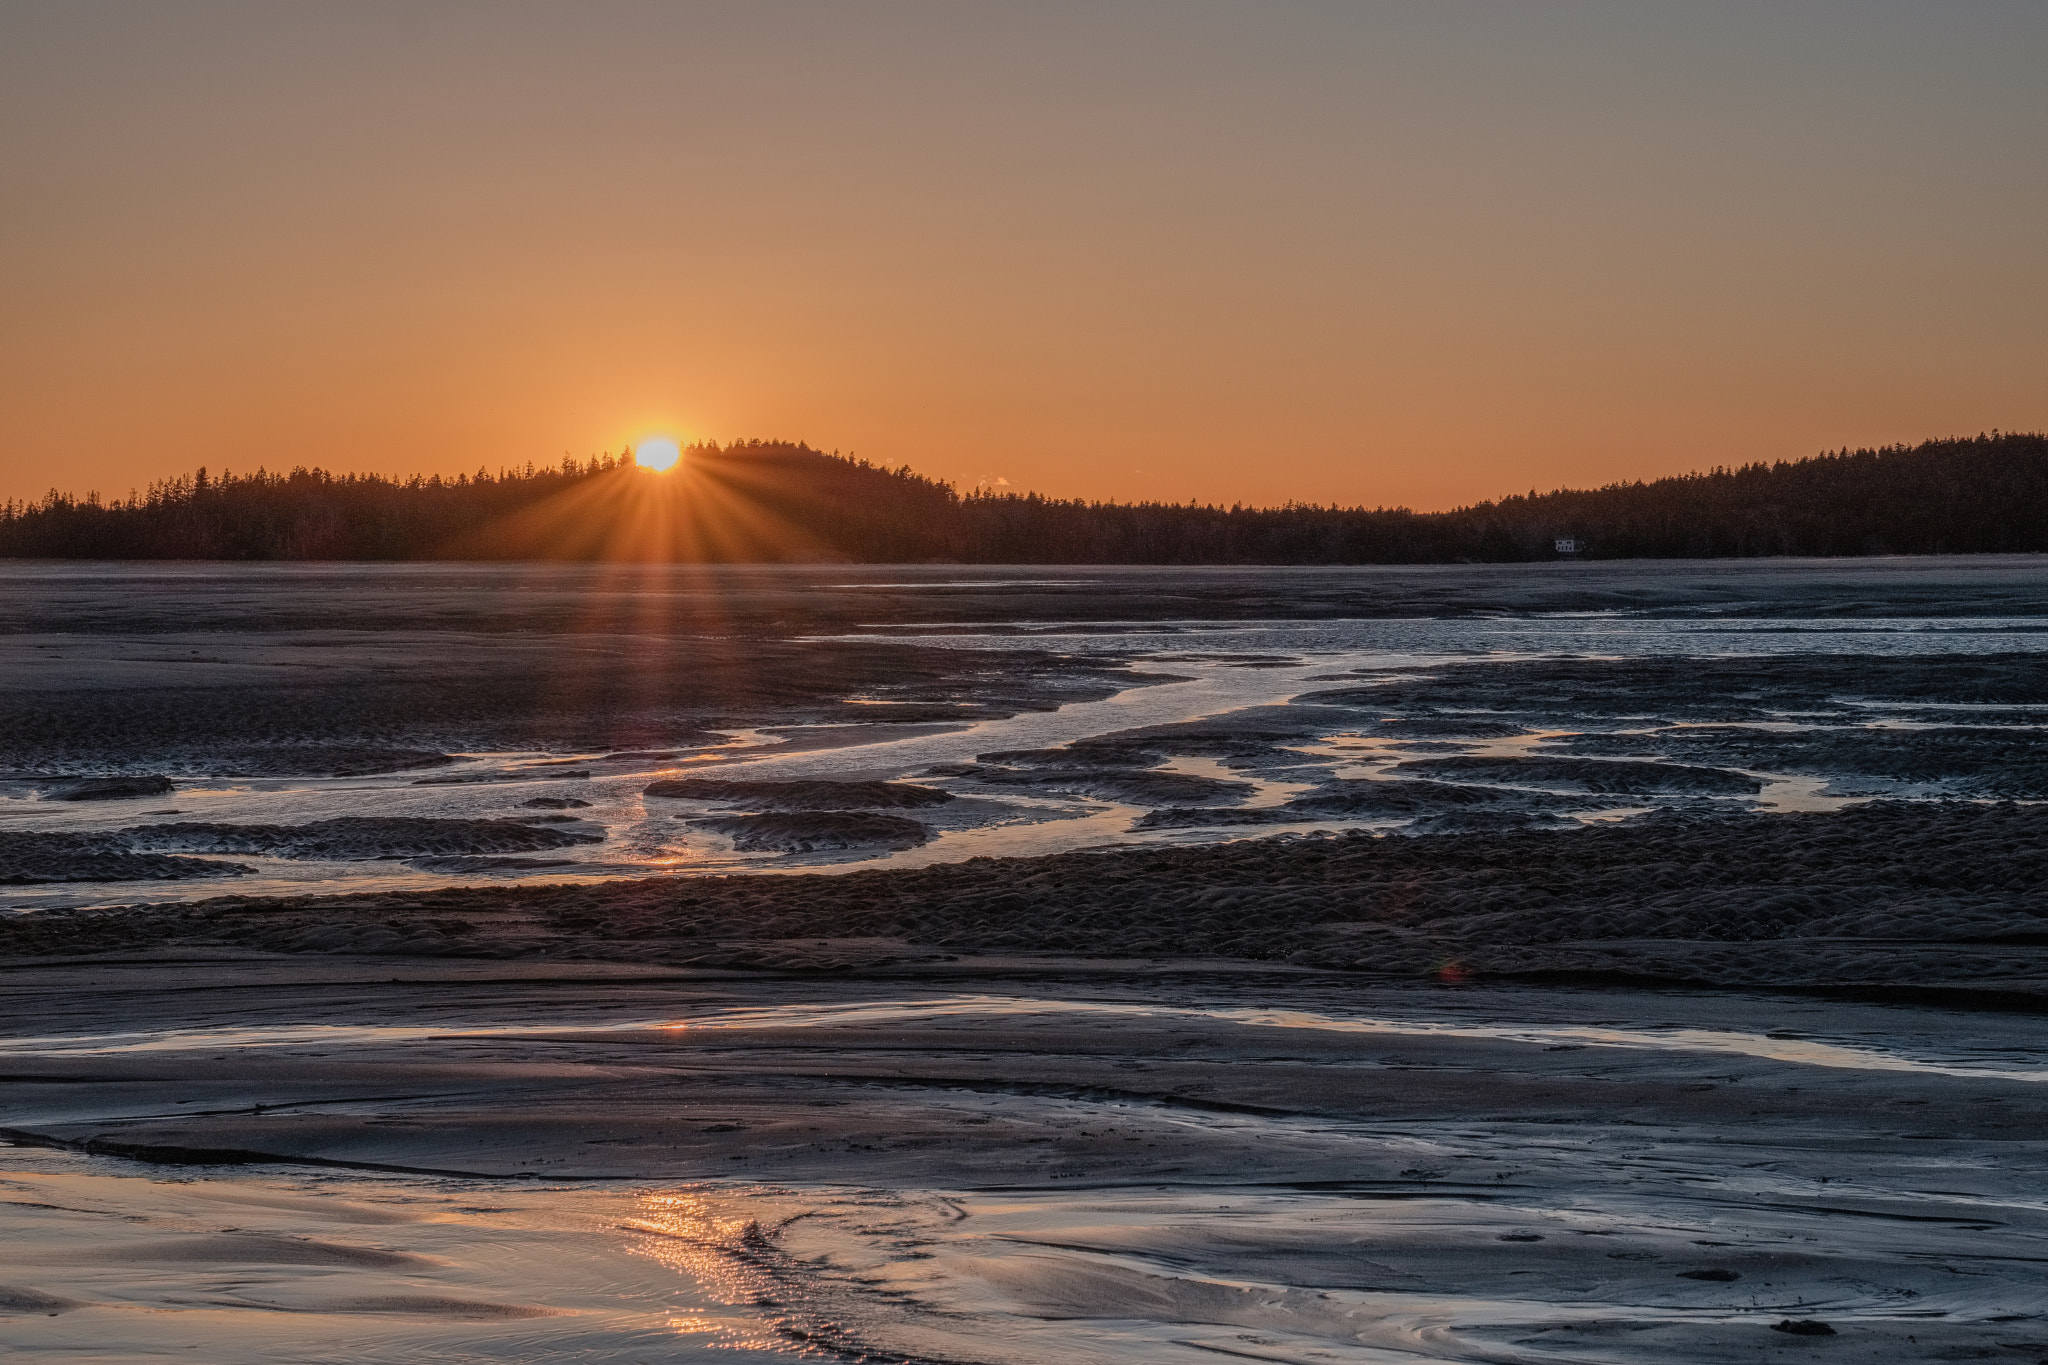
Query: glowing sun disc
x,y
657,452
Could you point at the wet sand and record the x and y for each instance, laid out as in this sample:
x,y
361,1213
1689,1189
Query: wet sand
x,y
1508,964
1016,1160
304,730
1930,902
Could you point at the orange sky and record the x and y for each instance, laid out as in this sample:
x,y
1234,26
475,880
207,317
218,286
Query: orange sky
x,y
1383,253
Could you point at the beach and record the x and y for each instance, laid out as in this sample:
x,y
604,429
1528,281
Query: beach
x,y
1592,964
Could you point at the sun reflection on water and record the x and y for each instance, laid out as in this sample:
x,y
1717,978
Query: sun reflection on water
x,y
732,1262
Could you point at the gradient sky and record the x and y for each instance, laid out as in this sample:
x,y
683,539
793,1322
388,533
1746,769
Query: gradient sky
x,y
1378,253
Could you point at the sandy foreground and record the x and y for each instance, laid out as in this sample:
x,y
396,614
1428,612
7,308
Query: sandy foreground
x,y
1695,1012
235,1155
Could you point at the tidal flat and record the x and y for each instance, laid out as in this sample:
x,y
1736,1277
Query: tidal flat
x,y
1561,962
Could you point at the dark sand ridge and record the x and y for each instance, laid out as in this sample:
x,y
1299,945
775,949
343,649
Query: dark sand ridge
x,y
1890,899
803,796
149,852
806,817
1487,1197
813,831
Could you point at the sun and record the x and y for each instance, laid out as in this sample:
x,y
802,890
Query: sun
x,y
657,452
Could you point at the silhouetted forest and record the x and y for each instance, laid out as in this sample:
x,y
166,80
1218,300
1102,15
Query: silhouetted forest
x,y
757,501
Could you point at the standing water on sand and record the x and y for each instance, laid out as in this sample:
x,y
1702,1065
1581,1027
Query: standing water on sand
x,y
294,730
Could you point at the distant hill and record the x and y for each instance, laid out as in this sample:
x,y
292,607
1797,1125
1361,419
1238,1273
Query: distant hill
x,y
753,501
756,502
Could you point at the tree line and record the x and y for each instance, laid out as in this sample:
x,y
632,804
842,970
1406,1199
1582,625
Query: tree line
x,y
777,501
